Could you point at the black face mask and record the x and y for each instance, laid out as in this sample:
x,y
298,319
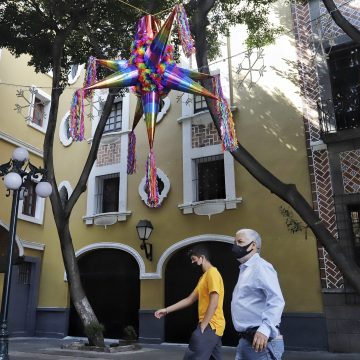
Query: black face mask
x,y
195,265
240,251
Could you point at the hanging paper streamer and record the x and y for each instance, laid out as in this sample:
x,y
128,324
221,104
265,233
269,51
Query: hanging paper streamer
x,y
151,185
77,104
77,116
187,42
90,77
228,135
131,160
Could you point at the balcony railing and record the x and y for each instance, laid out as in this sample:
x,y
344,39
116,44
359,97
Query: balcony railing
x,y
341,115
326,116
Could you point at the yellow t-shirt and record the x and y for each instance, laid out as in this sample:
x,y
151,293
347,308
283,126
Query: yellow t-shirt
x,y
211,281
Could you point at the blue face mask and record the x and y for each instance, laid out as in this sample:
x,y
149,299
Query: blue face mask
x,y
241,251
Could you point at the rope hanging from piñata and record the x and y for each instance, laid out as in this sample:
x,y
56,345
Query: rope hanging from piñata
x,y
187,42
131,160
76,122
151,186
228,135
90,77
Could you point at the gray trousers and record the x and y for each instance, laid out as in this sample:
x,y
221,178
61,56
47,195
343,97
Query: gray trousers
x,y
204,346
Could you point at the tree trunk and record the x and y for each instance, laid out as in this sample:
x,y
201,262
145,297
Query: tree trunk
x,y
341,22
61,217
62,208
92,328
286,192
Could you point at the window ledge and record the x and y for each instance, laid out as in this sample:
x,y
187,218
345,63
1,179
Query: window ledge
x,y
341,136
199,117
36,127
110,137
210,207
31,219
106,219
32,245
340,290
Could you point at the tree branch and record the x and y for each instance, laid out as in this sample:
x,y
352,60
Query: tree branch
x,y
51,127
204,7
340,21
286,192
98,52
52,23
81,185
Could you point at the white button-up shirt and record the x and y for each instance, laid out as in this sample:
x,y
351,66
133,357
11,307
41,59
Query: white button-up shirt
x,y
257,299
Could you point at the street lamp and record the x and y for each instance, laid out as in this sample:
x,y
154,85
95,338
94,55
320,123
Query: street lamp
x,y
18,174
144,229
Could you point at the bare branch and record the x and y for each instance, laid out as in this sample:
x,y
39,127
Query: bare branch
x,y
286,192
81,185
52,23
340,21
98,51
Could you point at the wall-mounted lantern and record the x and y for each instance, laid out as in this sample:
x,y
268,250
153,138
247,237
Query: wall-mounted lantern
x,y
144,229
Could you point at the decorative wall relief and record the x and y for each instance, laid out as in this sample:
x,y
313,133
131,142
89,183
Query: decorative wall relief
x,y
251,68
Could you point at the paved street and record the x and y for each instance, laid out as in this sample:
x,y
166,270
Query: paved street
x,y
44,349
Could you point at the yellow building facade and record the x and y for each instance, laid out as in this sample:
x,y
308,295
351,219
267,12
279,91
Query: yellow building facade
x,y
125,287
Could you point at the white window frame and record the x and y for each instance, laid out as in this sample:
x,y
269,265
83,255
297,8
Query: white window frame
x,y
39,211
165,109
44,97
164,193
194,171
96,172
99,183
116,101
102,93
64,139
71,79
188,119
67,185
121,169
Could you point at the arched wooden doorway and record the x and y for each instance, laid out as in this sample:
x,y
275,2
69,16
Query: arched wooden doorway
x,y
110,278
180,280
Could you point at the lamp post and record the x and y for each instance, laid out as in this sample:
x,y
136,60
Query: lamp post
x,y
144,229
18,174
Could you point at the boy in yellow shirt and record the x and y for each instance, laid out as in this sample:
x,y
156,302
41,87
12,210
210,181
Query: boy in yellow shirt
x,y
205,340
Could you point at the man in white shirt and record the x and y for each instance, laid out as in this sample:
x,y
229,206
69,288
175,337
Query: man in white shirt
x,y
257,302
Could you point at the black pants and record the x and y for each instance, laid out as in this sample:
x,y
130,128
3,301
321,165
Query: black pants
x,y
204,346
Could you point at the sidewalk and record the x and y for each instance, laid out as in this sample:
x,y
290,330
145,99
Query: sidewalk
x,y
46,349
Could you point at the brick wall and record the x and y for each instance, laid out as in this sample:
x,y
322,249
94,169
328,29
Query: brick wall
x,y
319,166
350,10
108,154
350,170
204,135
